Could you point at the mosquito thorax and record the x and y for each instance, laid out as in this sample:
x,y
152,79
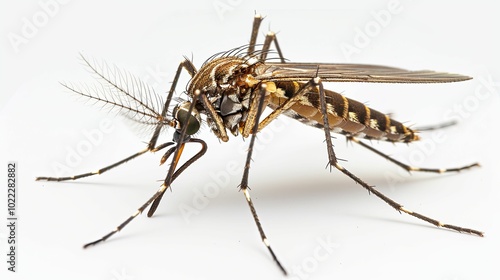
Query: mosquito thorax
x,y
228,82
223,73
184,118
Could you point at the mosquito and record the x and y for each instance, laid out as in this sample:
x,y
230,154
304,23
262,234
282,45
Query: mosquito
x,y
229,93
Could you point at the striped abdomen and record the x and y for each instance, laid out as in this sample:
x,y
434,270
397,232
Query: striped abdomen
x,y
345,115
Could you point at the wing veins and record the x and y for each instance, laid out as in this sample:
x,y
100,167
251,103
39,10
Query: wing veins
x,y
333,72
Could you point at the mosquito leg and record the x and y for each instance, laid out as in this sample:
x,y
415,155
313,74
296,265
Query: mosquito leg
x,y
333,161
271,37
158,194
221,132
252,115
189,67
168,180
104,169
435,126
183,167
286,105
257,19
122,225
406,166
177,154
100,171
244,181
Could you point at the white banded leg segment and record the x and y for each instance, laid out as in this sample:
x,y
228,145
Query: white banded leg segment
x,y
333,161
408,167
98,172
400,207
261,230
244,179
160,191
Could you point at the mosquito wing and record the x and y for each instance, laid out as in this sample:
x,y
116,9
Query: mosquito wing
x,y
333,72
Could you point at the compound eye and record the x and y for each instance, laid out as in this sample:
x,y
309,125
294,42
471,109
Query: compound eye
x,y
192,121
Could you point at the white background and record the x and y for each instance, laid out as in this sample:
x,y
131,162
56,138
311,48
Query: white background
x,y
299,202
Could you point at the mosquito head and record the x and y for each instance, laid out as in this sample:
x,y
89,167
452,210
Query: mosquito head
x,y
191,121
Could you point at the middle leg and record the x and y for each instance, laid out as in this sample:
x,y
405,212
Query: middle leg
x,y
244,181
